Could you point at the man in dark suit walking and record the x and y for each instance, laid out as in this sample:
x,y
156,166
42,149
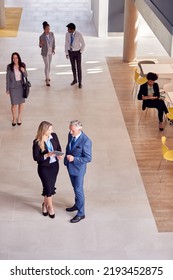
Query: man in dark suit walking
x,y
74,46
78,154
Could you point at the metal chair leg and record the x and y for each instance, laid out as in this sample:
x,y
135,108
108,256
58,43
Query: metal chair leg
x,y
133,88
160,163
163,171
141,116
136,91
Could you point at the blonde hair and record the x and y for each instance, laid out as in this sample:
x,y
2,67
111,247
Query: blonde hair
x,y
43,127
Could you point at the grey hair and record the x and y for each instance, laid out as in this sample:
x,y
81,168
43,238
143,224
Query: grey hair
x,y
76,123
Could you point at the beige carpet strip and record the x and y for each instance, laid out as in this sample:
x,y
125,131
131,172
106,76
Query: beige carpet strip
x,y
13,16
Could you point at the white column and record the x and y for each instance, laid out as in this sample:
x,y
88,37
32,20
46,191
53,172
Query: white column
x,y
2,13
100,16
130,31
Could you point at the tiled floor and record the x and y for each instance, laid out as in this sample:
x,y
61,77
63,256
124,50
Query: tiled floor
x,y
119,222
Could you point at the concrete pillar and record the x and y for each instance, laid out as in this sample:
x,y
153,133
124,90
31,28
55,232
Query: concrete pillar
x,y
100,16
130,31
2,14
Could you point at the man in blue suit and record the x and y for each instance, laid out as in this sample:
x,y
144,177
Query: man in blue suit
x,y
78,154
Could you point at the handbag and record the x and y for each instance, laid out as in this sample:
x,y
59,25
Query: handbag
x,y
26,87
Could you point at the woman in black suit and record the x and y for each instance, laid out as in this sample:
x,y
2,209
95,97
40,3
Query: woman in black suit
x,y
149,93
44,145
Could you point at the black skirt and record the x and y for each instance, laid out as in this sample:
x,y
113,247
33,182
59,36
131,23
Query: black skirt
x,y
48,175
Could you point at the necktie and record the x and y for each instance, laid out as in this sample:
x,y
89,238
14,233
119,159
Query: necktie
x,y
73,142
71,39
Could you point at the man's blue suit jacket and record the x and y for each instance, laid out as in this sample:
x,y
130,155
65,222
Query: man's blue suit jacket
x,y
82,152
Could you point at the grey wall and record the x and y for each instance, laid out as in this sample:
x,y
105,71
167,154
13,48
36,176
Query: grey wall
x,y
116,16
100,16
164,11
156,24
166,8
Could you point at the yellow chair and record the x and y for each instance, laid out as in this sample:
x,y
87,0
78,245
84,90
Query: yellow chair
x,y
138,80
166,154
136,76
169,115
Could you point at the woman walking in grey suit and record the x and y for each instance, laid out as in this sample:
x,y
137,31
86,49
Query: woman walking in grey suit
x,y
47,45
14,87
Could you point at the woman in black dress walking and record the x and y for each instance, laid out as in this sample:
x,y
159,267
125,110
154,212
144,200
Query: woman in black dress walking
x,y
44,147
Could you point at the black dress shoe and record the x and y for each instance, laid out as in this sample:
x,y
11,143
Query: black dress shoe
x,y
73,83
71,209
80,85
77,219
19,123
13,124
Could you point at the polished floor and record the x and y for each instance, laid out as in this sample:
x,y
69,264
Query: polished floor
x,y
119,222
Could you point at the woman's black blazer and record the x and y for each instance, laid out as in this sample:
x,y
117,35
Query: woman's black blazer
x,y
38,155
143,91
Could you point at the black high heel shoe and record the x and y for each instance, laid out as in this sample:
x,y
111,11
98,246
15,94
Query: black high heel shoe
x,y
52,216
44,213
161,126
47,82
13,124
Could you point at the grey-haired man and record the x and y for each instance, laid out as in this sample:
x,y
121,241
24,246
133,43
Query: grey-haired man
x,y
78,154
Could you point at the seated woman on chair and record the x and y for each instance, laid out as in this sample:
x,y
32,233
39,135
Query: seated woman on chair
x,y
149,93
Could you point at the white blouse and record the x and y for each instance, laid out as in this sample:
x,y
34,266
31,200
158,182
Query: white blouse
x,y
49,44
150,91
17,74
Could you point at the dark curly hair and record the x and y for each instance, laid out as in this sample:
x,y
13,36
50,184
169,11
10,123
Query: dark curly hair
x,y
152,76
